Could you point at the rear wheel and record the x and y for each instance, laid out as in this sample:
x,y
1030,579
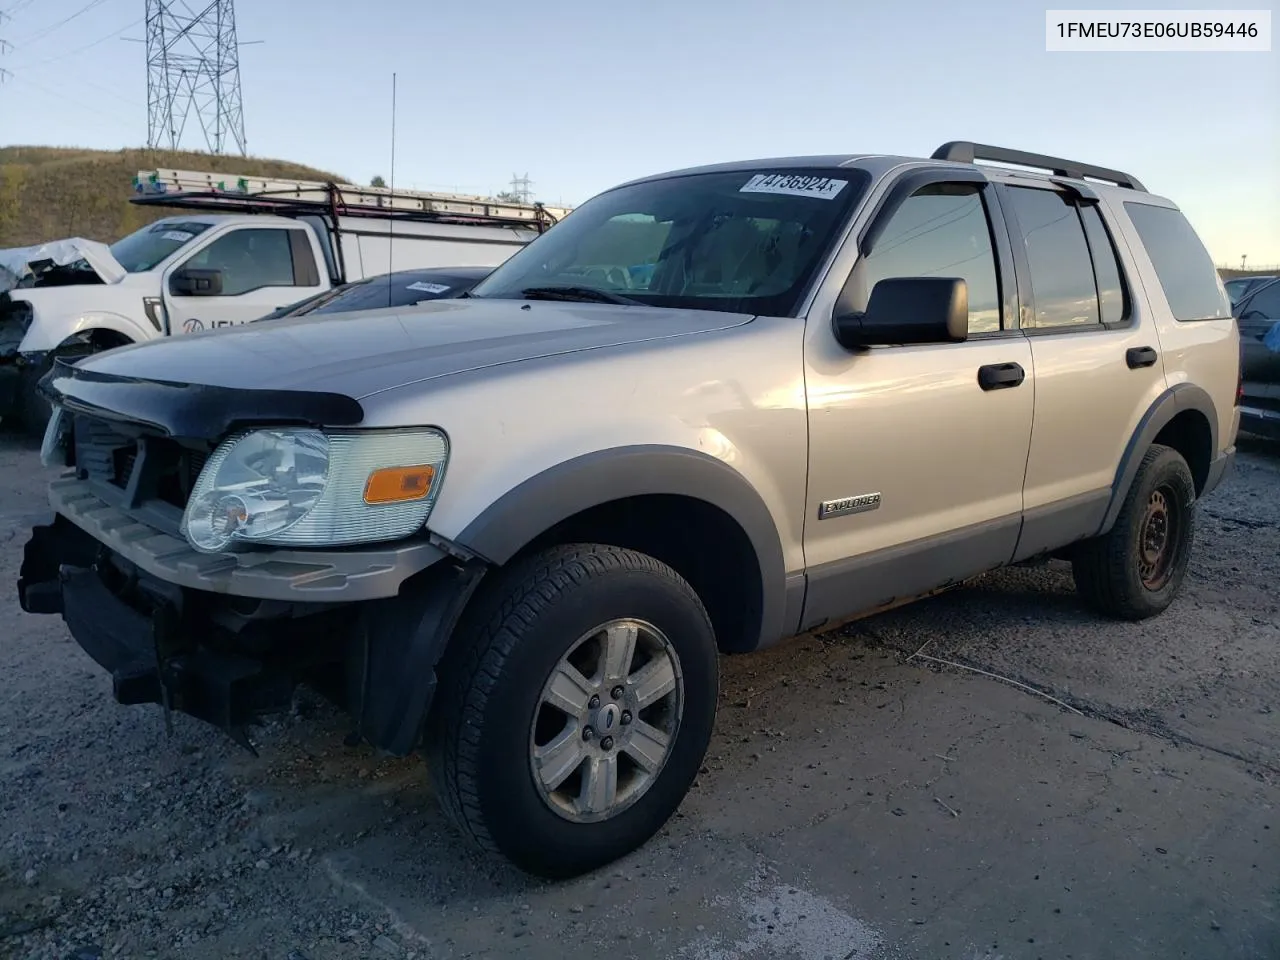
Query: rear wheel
x,y
575,706
1136,569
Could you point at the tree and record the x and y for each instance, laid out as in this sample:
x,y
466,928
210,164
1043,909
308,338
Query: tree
x,y
377,182
508,196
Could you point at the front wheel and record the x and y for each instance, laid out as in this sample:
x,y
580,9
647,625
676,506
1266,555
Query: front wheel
x,y
1136,569
33,409
576,702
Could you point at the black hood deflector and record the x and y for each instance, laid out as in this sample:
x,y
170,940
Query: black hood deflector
x,y
189,411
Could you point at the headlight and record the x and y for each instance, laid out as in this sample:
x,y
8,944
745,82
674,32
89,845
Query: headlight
x,y
306,488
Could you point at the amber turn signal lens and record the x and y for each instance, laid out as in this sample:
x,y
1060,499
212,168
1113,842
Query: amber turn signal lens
x,y
398,484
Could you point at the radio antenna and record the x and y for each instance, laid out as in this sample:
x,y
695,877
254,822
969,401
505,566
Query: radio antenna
x,y
391,220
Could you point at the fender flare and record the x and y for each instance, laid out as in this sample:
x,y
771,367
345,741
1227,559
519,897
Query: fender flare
x,y
1177,399
537,504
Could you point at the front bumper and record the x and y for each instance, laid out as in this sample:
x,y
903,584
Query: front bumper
x,y
230,659
325,576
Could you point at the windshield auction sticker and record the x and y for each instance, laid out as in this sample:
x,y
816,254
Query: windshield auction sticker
x,y
794,185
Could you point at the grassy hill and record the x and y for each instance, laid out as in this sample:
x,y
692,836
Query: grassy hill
x,y
47,193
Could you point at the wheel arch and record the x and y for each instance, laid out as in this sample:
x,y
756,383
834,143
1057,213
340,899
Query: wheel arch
x,y
86,328
688,509
1185,418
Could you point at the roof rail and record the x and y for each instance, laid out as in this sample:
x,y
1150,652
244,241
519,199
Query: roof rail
x,y
965,151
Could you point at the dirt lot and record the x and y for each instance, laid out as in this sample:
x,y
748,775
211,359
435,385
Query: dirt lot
x,y
857,802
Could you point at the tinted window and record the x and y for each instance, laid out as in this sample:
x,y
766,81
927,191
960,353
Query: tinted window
x,y
746,241
249,260
1106,267
940,231
1062,283
1183,265
1266,301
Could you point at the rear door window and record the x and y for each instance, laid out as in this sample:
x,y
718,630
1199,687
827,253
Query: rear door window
x,y
1063,287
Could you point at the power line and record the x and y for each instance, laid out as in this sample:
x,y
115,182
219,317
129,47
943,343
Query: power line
x,y
40,34
71,53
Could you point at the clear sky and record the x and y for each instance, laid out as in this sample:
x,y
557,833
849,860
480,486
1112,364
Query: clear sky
x,y
582,95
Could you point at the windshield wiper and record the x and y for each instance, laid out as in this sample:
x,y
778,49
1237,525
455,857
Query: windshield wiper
x,y
578,294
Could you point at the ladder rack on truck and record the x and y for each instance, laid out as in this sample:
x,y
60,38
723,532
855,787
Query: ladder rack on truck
x,y
234,194
332,203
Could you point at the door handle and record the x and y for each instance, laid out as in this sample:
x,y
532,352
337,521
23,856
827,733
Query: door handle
x,y
998,376
1137,357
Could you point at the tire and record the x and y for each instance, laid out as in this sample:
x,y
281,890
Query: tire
x,y
1112,572
490,714
33,409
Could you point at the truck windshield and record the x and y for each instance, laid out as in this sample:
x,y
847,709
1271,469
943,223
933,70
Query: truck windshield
x,y
747,241
143,249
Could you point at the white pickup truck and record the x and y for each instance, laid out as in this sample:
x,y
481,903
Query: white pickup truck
x,y
235,250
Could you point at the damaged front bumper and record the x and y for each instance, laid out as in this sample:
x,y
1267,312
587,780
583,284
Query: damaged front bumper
x,y
228,644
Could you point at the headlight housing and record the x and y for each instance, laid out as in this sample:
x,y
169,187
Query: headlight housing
x,y
305,487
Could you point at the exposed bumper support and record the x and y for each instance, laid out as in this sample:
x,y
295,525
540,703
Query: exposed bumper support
x,y
216,659
153,653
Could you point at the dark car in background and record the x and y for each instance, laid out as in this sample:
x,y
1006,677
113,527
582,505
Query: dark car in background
x,y
1240,287
1258,317
403,288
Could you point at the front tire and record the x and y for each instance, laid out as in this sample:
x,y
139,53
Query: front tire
x,y
33,409
575,705
1135,570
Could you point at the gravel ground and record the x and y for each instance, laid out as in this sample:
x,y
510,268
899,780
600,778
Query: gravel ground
x,y
862,797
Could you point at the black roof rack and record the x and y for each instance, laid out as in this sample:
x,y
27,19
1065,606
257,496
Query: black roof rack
x,y
965,151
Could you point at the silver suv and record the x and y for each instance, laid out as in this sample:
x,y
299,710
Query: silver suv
x,y
708,411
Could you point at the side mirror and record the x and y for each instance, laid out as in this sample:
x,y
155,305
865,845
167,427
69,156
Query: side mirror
x,y
191,282
904,310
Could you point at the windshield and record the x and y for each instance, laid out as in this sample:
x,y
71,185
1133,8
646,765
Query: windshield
x,y
743,242
143,249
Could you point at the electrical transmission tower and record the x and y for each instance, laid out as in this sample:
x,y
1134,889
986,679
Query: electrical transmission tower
x,y
193,75
520,188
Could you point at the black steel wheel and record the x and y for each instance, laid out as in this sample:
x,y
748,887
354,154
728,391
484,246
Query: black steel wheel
x,y
1136,569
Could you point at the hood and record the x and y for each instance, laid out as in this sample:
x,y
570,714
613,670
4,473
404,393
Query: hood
x,y
359,354
22,264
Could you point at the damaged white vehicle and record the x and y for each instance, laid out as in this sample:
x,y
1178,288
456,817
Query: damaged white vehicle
x,y
232,253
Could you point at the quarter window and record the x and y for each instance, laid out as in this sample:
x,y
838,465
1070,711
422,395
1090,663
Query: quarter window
x,y
249,260
1183,266
1063,288
942,230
